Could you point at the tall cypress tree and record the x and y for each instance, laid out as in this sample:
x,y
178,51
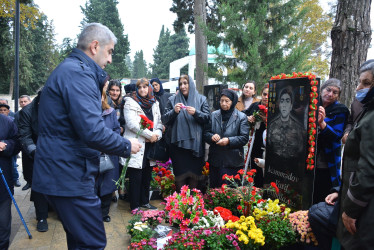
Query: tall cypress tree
x,y
106,12
169,49
5,54
139,65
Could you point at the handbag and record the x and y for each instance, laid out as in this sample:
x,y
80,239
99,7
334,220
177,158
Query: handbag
x,y
159,151
106,164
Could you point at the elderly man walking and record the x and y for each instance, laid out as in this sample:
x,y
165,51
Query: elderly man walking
x,y
72,134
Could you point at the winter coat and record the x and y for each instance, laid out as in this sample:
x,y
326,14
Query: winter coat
x,y
237,131
132,111
105,182
28,127
72,132
8,135
329,139
357,190
356,108
163,100
240,105
200,118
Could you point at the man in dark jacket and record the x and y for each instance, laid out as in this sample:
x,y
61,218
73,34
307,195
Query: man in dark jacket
x,y
71,134
28,133
9,146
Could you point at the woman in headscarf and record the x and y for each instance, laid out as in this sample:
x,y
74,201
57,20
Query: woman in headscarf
x,y
141,102
185,114
104,184
258,145
161,95
227,133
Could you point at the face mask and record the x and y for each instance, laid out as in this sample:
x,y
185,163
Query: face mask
x,y
361,94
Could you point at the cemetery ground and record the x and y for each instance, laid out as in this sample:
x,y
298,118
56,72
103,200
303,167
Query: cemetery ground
x,y
55,238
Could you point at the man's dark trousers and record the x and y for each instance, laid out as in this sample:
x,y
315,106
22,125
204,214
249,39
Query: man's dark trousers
x,y
5,221
82,220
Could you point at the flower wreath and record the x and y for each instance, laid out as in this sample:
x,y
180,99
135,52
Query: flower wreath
x,y
312,127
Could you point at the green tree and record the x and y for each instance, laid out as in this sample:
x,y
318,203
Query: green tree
x,y
259,33
66,47
160,66
169,49
106,12
6,44
314,29
139,65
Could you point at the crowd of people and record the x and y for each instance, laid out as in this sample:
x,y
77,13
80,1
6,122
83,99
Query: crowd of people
x,y
81,115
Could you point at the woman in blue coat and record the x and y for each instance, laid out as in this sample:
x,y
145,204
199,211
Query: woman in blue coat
x,y
105,185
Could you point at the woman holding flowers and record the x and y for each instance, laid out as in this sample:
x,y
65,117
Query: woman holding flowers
x,y
141,102
185,115
227,133
257,118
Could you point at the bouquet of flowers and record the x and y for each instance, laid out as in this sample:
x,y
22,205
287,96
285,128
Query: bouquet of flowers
x,y
224,197
206,169
300,224
247,231
249,193
270,207
210,220
144,124
153,217
210,238
185,208
225,214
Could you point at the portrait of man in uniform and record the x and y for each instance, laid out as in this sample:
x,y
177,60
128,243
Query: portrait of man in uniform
x,y
286,133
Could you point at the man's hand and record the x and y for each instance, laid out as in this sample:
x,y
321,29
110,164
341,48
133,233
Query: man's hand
x,y
2,146
349,223
135,145
331,198
223,142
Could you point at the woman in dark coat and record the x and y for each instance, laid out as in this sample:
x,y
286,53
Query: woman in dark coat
x,y
104,184
185,114
227,133
161,95
258,145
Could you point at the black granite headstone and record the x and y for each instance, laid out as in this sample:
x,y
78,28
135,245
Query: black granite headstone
x,y
287,142
213,95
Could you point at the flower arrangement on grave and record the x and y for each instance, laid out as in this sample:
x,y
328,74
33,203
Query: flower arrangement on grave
x,y
185,208
210,238
248,192
313,105
158,172
300,223
247,231
225,197
210,220
145,123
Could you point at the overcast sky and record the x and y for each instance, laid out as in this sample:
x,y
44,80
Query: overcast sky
x,y
142,21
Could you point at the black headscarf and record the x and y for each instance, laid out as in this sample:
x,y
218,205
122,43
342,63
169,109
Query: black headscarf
x,y
161,91
226,114
185,128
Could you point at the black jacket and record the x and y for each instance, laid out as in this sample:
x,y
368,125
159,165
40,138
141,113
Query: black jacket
x,y
237,130
28,127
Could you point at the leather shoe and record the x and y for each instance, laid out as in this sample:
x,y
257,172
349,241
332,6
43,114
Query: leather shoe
x,y
114,199
27,186
148,206
122,196
17,183
42,225
106,218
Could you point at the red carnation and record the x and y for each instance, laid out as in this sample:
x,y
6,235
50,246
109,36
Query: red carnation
x,y
275,187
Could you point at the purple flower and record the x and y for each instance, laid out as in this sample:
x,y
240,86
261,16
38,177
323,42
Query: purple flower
x,y
229,237
234,243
